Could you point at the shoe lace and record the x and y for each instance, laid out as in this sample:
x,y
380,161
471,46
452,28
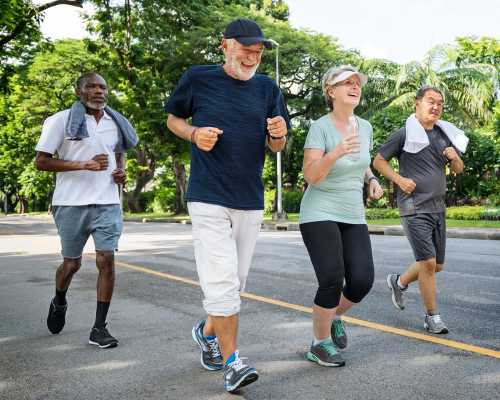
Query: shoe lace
x,y
436,318
213,348
330,348
238,364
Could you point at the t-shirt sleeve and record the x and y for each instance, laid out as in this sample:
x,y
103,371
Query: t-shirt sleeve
x,y
315,138
180,102
52,135
279,106
393,146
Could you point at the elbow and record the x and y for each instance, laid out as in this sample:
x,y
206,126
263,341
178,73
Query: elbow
x,y
170,122
378,161
39,164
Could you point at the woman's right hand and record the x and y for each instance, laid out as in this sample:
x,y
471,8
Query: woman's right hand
x,y
349,144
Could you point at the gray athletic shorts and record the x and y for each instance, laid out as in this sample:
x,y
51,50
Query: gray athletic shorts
x,y
76,223
427,235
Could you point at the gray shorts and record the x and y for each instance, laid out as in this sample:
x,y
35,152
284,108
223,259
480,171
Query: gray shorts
x,y
427,235
76,223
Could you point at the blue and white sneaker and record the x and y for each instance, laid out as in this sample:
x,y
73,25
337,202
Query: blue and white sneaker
x,y
237,374
211,357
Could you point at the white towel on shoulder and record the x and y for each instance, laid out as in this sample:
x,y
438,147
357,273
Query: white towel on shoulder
x,y
417,139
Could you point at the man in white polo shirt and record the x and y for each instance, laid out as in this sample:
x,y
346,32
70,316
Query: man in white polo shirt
x,y
86,202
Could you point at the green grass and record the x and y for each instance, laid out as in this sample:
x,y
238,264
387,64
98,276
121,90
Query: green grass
x,y
450,223
294,217
147,215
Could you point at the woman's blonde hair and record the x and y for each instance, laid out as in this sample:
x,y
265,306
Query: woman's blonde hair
x,y
329,76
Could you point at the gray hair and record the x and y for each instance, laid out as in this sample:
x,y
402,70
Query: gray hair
x,y
329,75
426,88
80,82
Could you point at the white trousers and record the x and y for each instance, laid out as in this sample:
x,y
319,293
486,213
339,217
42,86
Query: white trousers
x,y
224,242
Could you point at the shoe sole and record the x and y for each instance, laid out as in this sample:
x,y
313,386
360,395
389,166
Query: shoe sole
x,y
393,297
106,346
207,367
246,380
313,358
441,332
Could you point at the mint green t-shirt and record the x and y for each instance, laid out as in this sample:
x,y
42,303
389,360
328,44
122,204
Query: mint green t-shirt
x,y
338,197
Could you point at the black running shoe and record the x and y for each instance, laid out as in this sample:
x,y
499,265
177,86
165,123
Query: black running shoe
x,y
102,338
56,318
237,375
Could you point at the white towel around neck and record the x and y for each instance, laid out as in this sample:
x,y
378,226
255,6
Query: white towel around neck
x,y
417,138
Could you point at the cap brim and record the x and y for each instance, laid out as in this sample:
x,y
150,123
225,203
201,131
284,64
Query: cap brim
x,y
248,41
346,75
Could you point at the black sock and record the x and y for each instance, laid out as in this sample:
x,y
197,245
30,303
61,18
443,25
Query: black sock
x,y
100,313
60,298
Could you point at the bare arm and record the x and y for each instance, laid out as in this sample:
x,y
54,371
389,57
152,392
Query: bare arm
x,y
119,175
204,138
46,162
382,165
276,140
317,163
456,163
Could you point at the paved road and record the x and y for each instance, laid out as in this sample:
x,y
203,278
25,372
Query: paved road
x,y
153,312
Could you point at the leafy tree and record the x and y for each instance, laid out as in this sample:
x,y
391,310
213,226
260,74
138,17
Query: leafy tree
x,y
45,87
20,32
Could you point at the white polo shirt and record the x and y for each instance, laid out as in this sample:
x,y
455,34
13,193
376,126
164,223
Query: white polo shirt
x,y
77,188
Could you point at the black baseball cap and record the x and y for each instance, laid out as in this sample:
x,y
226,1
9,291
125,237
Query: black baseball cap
x,y
246,32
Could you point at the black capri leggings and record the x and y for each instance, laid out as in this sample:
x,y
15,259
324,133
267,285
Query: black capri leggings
x,y
339,251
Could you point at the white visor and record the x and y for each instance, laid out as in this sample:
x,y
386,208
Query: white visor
x,y
346,75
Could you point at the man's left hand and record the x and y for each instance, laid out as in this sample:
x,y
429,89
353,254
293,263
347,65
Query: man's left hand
x,y
450,153
375,191
276,126
119,176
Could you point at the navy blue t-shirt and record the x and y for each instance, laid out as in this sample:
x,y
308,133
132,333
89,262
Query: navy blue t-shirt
x,y
230,174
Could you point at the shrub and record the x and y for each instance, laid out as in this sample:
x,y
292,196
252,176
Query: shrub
x,y
291,201
382,213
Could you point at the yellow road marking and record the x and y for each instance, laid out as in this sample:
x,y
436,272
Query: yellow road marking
x,y
367,324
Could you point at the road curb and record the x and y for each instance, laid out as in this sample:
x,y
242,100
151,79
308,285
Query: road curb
x,y
388,230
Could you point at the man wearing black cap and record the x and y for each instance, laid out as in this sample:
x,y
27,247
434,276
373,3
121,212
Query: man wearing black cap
x,y
235,113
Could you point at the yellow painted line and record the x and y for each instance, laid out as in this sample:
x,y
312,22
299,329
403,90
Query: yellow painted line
x,y
367,324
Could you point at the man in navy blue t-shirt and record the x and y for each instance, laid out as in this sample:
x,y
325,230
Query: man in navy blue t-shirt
x,y
234,114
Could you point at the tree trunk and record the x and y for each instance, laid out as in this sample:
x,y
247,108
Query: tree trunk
x,y
180,185
23,205
144,176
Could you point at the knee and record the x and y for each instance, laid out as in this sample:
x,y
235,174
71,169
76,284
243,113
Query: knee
x,y
428,266
329,291
357,289
105,261
72,265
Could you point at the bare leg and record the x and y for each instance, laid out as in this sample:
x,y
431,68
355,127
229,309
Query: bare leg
x,y
105,261
344,306
65,272
226,330
322,321
427,282
411,274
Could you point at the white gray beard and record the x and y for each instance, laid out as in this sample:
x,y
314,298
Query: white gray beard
x,y
238,71
94,106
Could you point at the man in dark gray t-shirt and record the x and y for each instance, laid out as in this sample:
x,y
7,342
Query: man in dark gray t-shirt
x,y
421,183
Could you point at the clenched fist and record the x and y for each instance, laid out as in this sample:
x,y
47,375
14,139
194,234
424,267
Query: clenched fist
x,y
206,137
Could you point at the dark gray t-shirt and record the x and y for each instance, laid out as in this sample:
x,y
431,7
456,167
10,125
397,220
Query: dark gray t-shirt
x,y
426,168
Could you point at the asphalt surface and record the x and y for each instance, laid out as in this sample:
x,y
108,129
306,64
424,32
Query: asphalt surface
x,y
152,314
